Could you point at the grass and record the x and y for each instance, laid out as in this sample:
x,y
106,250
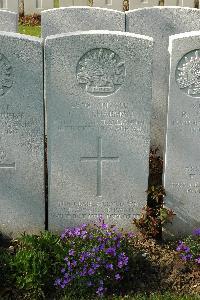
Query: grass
x,y
30,30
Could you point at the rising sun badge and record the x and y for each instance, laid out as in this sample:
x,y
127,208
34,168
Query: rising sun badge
x,y
101,72
188,73
6,75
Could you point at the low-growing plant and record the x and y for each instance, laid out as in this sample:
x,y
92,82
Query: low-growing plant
x,y
189,248
37,261
154,215
97,260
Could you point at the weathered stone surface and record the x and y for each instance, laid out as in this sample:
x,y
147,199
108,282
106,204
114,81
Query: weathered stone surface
x,y
112,4
98,86
8,21
21,135
160,23
182,168
64,20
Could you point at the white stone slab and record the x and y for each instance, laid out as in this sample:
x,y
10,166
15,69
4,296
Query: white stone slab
x,y
110,4
182,164
160,23
8,21
183,3
71,19
37,6
21,135
10,5
134,4
98,89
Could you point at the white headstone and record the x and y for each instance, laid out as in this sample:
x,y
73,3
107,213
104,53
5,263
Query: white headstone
x,y
10,5
37,6
134,4
182,163
183,3
160,23
72,19
98,89
66,3
110,4
21,135
8,21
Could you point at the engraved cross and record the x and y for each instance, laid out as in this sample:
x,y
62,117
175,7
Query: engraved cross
x,y
99,159
7,166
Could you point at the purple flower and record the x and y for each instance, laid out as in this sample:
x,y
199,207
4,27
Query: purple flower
x,y
182,247
74,263
186,257
57,281
117,277
66,259
104,226
197,260
101,247
71,252
95,266
91,271
109,266
130,235
111,251
100,291
63,270
196,232
84,256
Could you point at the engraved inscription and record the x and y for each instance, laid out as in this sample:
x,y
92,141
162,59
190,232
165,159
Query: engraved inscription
x,y
6,75
99,159
101,72
3,164
188,73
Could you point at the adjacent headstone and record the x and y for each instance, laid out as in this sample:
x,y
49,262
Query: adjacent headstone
x,y
8,21
134,4
21,135
64,20
11,5
160,23
183,3
111,4
66,3
182,167
98,89
37,6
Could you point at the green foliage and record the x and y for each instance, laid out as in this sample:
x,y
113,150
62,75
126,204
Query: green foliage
x,y
37,261
154,215
5,269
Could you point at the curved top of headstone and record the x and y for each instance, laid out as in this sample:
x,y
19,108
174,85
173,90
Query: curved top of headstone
x,y
70,19
168,18
100,32
8,21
